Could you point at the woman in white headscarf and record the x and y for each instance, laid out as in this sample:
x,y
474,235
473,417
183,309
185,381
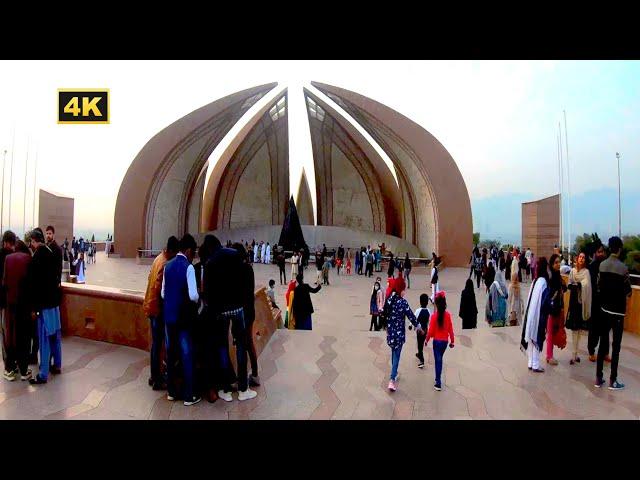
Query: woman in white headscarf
x,y
535,318
497,300
579,302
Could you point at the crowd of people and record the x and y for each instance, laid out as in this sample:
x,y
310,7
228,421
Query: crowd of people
x,y
77,255
30,296
191,308
598,286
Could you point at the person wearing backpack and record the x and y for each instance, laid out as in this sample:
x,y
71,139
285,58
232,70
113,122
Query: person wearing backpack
x,y
396,309
422,315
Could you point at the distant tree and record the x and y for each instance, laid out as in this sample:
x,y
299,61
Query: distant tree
x,y
587,243
631,252
490,243
507,247
476,238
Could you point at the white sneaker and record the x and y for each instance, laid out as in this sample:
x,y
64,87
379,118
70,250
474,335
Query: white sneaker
x,y
226,396
247,394
27,376
193,401
170,398
11,376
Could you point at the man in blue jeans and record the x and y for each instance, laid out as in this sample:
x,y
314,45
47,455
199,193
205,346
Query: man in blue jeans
x,y
180,295
152,308
225,290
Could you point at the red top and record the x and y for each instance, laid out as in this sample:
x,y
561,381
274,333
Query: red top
x,y
395,283
290,288
438,333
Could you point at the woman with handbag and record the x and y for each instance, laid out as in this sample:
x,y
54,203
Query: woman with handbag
x,y
376,305
556,334
579,303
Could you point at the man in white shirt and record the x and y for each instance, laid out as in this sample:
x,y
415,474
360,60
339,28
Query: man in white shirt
x,y
295,260
267,255
256,253
179,311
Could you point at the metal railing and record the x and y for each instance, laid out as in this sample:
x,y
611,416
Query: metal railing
x,y
148,253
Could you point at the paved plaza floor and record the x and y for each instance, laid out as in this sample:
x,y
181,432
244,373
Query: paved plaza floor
x,y
339,370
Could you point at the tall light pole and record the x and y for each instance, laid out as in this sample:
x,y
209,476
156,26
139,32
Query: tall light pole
x,y
24,202
561,243
13,145
619,211
35,178
566,144
4,157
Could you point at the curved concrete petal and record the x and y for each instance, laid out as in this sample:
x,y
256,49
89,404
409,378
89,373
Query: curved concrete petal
x,y
411,147
154,193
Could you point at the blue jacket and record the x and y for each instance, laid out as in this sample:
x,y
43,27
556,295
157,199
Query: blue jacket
x,y
177,306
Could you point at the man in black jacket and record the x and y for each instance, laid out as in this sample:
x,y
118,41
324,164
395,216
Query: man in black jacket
x,y
44,283
596,314
319,264
280,261
614,287
224,292
53,245
302,306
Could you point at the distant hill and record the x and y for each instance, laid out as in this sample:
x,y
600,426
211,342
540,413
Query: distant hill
x,y
593,211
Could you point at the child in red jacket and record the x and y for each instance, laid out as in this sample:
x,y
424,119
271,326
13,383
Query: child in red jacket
x,y
441,330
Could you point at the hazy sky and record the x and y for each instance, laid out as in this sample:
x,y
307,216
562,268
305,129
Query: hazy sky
x,y
497,119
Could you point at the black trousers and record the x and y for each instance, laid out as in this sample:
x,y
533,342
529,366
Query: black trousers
x,y
18,353
421,338
471,270
614,323
34,343
283,275
374,323
478,278
369,271
594,330
251,349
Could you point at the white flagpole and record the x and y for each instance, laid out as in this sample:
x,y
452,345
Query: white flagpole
x,y
4,158
564,229
559,187
35,177
13,145
24,205
566,144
